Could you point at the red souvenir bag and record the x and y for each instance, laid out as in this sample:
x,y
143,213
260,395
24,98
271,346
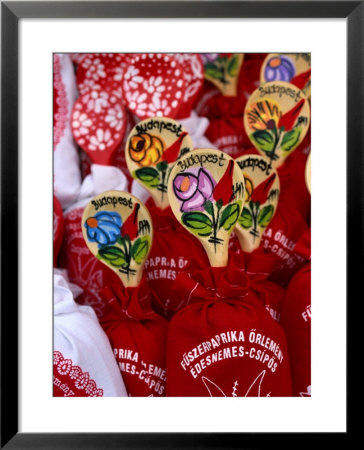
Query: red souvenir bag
x,y
224,342
292,179
138,338
259,266
281,237
296,322
172,251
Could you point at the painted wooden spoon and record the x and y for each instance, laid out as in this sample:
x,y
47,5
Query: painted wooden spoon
x,y
206,194
276,119
118,230
222,70
262,189
98,124
294,68
151,150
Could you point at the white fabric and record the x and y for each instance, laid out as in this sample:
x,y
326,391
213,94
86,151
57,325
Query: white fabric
x,y
80,338
101,179
196,127
67,172
74,288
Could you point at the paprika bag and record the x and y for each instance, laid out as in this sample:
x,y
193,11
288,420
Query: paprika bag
x,y
259,266
83,363
281,237
225,343
173,250
296,322
138,338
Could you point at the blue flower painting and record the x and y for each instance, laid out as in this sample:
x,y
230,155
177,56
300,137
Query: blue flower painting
x,y
103,227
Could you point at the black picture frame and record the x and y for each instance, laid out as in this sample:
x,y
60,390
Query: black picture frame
x,y
11,12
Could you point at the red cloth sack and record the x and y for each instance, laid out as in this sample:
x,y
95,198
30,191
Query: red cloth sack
x,y
296,322
83,362
293,190
259,266
225,343
173,249
138,337
281,237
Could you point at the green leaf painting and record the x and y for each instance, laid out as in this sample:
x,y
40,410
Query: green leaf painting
x,y
265,215
197,222
232,66
148,176
140,249
246,219
264,140
113,255
229,216
213,71
291,139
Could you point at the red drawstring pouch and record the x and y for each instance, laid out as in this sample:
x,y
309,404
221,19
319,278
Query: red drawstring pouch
x,y
58,229
138,337
224,342
173,249
259,266
292,179
296,322
280,237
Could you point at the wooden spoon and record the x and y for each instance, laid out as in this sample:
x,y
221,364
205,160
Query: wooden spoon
x,y
294,68
222,70
261,199
276,119
151,150
206,194
118,230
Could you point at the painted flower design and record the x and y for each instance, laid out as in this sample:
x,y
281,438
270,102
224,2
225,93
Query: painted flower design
x,y
160,107
256,212
132,79
194,190
145,149
96,70
80,123
103,227
154,84
137,101
209,57
96,100
114,117
271,129
264,115
101,140
279,68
